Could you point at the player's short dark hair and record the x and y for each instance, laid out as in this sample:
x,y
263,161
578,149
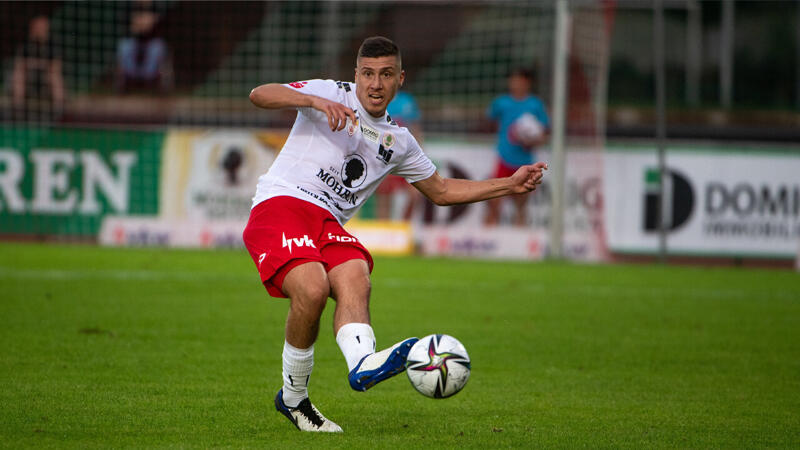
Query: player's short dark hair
x,y
523,72
377,46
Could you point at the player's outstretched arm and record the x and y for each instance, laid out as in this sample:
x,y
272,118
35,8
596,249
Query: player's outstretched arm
x,y
452,191
276,96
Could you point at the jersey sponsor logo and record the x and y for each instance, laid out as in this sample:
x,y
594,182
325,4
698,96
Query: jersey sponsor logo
x,y
341,238
339,188
331,200
384,154
297,242
354,171
388,140
370,134
298,84
325,199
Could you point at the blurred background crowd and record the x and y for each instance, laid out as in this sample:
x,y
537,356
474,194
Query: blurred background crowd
x,y
732,67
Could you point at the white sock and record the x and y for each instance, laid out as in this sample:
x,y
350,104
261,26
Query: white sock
x,y
356,340
297,365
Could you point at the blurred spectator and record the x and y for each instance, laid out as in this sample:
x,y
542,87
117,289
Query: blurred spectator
x,y
404,110
523,126
143,61
37,80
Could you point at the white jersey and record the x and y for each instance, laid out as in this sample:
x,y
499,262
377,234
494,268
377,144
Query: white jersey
x,y
340,170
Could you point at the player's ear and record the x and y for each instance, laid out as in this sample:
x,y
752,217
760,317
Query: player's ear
x,y
402,77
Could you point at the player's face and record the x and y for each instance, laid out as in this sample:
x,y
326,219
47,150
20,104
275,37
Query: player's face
x,y
377,81
519,86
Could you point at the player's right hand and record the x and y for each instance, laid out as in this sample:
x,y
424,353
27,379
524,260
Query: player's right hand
x,y
337,113
527,178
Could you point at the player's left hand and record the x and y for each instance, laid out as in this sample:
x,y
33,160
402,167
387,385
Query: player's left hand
x,y
527,178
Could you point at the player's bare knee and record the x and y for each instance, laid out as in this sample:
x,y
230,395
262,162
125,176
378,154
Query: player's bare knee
x,y
312,295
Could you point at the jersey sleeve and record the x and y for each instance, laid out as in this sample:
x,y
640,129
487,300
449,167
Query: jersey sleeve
x,y
321,88
416,166
327,89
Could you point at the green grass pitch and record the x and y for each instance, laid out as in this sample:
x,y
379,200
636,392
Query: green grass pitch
x,y
163,348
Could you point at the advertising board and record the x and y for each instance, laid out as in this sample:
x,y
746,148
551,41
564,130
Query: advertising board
x,y
723,202
63,181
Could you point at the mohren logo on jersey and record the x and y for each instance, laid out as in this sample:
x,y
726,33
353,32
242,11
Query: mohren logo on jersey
x,y
297,242
354,171
298,84
338,188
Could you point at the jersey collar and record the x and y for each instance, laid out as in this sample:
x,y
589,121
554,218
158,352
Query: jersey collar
x,y
364,115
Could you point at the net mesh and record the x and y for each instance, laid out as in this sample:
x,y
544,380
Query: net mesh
x,y
127,72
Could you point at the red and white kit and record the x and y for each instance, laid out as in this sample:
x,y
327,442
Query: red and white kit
x,y
335,171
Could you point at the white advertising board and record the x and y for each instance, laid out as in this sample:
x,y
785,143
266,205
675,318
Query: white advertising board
x,y
475,159
719,203
131,231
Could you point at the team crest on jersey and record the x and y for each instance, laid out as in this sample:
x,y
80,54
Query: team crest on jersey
x,y
388,140
352,126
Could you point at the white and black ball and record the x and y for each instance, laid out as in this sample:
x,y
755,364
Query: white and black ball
x,y
438,366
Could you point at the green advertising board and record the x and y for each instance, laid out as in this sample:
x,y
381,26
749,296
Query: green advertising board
x,y
62,181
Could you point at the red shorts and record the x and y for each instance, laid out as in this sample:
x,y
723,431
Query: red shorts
x,y
503,170
284,232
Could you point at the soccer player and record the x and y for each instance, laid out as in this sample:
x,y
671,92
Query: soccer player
x,y
341,146
522,127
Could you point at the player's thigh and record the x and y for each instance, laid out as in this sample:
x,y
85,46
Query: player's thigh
x,y
350,281
307,285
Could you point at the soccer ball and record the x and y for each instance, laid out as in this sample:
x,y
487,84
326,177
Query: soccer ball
x,y
438,366
525,129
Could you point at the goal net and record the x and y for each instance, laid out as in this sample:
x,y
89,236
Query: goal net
x,y
93,92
